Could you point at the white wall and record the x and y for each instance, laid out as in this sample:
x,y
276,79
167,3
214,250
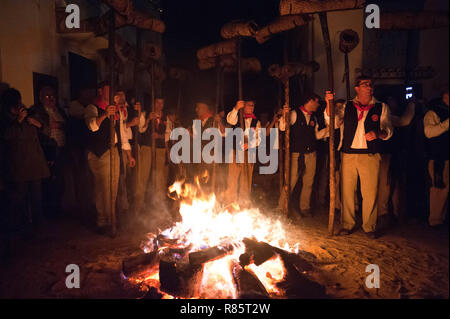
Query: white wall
x,y
337,22
28,43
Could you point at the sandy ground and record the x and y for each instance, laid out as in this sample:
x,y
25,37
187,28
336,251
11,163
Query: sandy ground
x,y
413,261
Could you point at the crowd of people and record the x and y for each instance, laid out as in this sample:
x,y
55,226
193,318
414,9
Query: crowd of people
x,y
392,159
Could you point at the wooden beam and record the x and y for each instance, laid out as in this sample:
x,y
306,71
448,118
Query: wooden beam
x,y
315,6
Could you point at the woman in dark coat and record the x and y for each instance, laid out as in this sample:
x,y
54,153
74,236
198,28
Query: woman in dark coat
x,y
24,163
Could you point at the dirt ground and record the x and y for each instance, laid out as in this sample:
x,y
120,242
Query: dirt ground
x,y
413,261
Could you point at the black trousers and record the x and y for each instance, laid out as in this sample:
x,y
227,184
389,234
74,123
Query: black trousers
x,y
24,206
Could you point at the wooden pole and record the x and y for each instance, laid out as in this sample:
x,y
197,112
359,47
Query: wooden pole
x,y
287,156
111,48
280,144
287,121
153,128
241,111
137,99
326,38
347,75
218,84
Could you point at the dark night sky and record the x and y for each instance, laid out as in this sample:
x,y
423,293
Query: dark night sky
x,y
191,25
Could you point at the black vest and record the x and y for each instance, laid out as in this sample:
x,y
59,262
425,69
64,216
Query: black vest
x,y
438,146
303,135
238,125
99,142
372,123
146,137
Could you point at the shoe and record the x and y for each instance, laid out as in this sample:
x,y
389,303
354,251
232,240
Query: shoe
x,y
372,235
344,232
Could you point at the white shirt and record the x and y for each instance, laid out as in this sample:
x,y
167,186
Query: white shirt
x,y
90,116
293,118
359,140
433,126
232,119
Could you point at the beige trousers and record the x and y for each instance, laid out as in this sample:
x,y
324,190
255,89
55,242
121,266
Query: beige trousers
x,y
237,179
161,174
100,168
143,173
307,178
438,197
367,167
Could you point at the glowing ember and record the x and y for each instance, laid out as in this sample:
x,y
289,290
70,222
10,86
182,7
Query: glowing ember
x,y
204,225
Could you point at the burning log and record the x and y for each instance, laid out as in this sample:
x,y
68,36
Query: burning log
x,y
288,7
281,24
413,20
291,69
209,254
153,293
217,49
248,284
180,279
297,285
239,28
256,252
136,264
259,252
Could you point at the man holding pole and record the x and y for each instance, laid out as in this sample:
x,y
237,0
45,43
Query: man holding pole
x,y
363,123
303,136
241,174
97,118
145,153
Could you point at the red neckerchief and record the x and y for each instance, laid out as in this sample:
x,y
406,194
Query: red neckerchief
x,y
362,109
249,116
305,110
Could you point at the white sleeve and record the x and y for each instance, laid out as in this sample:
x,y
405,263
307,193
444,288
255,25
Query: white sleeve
x,y
320,134
142,126
338,119
169,128
433,127
232,117
293,120
385,122
90,117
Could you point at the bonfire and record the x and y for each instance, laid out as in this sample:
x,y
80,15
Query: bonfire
x,y
220,253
